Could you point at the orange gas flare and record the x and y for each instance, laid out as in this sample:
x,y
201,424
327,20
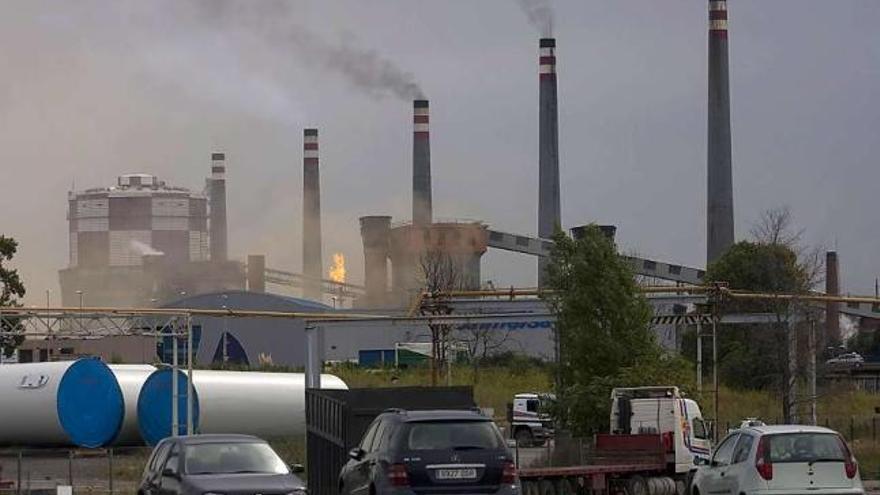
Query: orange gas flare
x,y
337,271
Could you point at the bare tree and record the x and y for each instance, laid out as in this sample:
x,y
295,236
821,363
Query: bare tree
x,y
440,274
481,341
776,227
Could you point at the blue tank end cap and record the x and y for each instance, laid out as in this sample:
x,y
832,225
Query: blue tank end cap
x,y
90,403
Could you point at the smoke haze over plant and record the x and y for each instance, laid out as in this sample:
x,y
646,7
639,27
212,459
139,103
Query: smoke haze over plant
x,y
97,88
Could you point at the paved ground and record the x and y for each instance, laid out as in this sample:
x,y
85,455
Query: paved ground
x,y
91,474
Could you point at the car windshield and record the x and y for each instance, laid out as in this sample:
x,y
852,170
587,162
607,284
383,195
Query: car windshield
x,y
228,458
806,447
454,435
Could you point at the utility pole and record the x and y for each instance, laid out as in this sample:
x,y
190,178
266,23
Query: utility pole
x,y
699,356
715,374
812,372
791,378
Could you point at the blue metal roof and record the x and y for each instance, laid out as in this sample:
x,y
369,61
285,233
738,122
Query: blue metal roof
x,y
257,301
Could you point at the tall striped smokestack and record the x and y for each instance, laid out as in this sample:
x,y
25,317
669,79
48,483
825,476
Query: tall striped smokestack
x,y
312,265
549,210
719,217
217,198
422,209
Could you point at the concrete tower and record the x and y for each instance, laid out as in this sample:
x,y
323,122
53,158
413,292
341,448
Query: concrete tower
x,y
312,265
217,203
375,232
422,210
549,210
719,215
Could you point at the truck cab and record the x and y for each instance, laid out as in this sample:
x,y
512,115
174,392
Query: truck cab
x,y
665,412
530,423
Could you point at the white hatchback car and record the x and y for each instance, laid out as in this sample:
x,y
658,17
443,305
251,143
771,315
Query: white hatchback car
x,y
787,459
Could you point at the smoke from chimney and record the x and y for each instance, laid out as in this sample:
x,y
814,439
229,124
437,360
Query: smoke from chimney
x,y
719,215
422,209
274,23
540,14
217,199
312,264
549,209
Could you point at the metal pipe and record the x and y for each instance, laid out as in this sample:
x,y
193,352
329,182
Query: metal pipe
x,y
175,414
189,373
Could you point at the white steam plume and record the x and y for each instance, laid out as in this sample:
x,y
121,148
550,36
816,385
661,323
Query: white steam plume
x,y
145,249
540,14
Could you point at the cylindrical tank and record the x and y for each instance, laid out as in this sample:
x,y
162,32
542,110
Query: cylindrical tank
x,y
60,403
131,378
262,404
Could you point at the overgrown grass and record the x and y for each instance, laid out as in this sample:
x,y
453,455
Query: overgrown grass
x,y
493,387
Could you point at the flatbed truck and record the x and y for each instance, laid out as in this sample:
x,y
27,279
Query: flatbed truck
x,y
655,436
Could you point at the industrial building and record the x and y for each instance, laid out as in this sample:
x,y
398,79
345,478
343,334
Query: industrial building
x,y
143,242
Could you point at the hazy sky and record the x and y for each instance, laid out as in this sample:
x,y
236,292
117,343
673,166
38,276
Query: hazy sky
x,y
93,89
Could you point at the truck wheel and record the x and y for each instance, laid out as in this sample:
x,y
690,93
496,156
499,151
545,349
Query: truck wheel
x,y
564,487
547,488
531,488
524,437
636,485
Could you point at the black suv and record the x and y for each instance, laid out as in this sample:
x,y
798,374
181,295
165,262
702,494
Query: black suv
x,y
430,452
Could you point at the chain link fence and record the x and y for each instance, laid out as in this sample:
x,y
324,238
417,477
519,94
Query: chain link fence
x,y
86,471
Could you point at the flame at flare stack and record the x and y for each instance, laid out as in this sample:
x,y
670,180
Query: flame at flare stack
x,y
337,271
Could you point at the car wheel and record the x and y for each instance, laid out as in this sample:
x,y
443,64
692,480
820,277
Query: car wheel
x,y
524,437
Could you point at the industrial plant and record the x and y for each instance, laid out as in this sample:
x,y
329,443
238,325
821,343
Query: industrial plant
x,y
143,242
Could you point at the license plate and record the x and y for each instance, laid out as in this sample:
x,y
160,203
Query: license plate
x,y
456,474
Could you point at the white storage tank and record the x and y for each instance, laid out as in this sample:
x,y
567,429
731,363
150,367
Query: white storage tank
x,y
131,378
263,404
59,403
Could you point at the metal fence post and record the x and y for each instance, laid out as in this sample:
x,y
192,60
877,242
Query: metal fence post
x,y
110,462
70,467
18,474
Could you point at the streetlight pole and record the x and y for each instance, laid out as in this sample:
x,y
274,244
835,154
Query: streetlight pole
x,y
225,331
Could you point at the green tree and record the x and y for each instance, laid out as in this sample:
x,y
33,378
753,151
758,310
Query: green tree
x,y
11,288
756,356
603,327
